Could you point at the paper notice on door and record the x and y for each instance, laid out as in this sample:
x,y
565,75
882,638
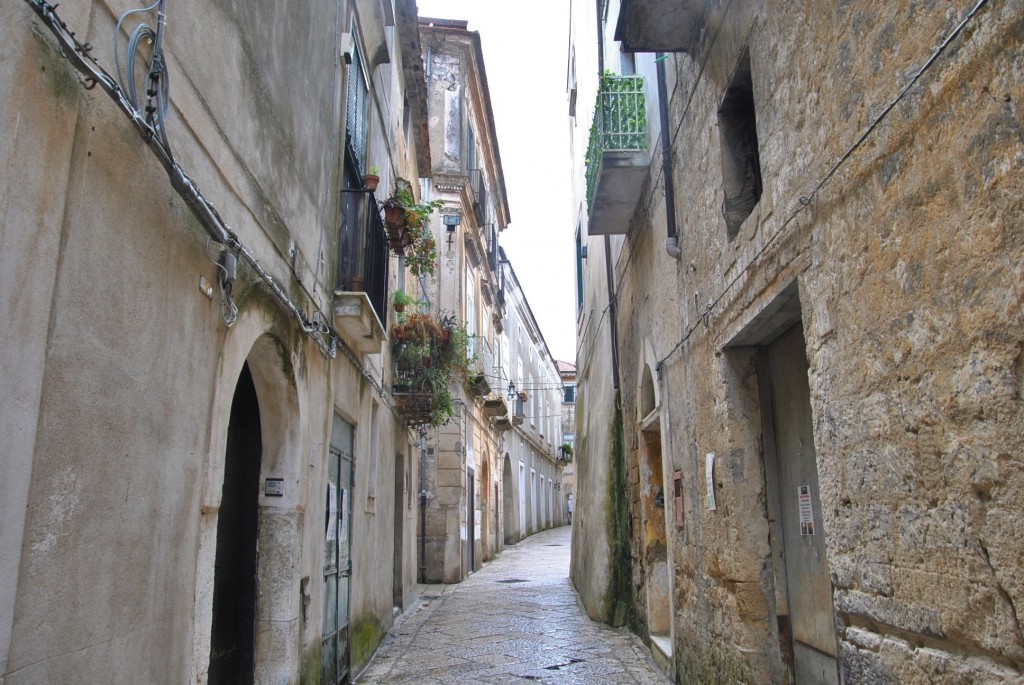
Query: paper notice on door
x,y
806,510
709,474
332,512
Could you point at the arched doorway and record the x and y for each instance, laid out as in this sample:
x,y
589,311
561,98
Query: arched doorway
x,y
250,534
652,502
508,494
232,648
485,509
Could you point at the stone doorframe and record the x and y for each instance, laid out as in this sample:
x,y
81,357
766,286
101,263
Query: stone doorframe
x,y
278,610
653,430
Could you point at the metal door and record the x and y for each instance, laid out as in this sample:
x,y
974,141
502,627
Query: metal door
x,y
809,587
337,561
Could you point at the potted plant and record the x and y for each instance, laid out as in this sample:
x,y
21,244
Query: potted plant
x,y
428,354
402,300
407,224
371,179
566,452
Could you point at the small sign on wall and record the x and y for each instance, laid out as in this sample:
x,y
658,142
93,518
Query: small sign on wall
x,y
273,487
806,510
709,474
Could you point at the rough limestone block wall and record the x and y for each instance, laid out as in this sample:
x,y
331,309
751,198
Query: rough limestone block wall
x,y
908,267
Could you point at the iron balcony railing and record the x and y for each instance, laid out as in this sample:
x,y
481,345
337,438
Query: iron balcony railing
x,y
620,123
363,250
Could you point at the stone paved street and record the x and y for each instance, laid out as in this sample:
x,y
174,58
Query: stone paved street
x,y
514,621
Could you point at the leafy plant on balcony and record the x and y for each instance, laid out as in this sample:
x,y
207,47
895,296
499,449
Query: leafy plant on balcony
x,y
429,354
408,225
403,300
619,123
565,452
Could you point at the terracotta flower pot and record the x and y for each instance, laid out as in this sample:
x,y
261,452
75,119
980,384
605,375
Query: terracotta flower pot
x,y
394,217
371,181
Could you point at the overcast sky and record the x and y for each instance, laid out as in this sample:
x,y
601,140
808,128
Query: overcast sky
x,y
525,46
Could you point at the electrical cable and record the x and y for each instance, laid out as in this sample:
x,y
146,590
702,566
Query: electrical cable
x,y
152,128
804,201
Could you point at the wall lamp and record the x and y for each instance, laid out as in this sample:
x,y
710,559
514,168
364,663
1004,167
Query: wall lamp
x,y
451,222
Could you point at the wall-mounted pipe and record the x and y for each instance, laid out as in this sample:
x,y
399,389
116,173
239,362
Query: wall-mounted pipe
x,y
672,240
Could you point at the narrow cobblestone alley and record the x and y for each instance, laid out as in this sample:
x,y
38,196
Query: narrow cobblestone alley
x,y
514,621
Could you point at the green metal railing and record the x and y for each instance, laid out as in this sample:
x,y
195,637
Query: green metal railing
x,y
620,123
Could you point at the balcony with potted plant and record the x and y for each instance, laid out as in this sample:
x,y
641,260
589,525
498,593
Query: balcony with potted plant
x,y
407,223
617,157
361,296
429,355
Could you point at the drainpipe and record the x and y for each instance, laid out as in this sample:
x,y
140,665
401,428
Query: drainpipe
x,y
672,241
423,505
612,313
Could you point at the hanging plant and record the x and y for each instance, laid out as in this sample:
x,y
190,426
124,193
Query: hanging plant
x,y
429,355
408,226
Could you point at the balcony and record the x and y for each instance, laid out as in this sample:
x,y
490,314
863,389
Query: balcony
x,y
660,25
617,157
495,406
520,412
481,371
360,302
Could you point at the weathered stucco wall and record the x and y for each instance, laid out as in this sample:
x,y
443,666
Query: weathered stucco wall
x,y
119,371
906,267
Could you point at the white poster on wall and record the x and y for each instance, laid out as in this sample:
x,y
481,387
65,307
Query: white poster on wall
x,y
709,474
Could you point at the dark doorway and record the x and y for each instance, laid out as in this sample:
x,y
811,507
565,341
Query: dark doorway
x,y
397,586
508,499
234,583
471,518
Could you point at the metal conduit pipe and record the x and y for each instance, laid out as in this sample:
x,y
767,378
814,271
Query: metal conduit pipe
x,y
423,505
672,241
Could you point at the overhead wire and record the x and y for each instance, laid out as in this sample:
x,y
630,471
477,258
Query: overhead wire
x,y
805,201
152,127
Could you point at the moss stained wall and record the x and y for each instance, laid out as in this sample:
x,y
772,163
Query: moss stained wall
x,y
907,262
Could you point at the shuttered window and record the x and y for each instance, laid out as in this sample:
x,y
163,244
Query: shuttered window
x,y
356,115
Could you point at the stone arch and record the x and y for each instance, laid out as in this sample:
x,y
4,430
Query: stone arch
x,y
508,500
652,495
648,392
271,365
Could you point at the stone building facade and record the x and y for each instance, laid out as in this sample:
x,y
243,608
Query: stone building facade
x,y
474,501
805,275
532,465
204,479
463,456
567,375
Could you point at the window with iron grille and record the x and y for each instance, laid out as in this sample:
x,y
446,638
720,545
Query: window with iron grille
x,y
356,114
